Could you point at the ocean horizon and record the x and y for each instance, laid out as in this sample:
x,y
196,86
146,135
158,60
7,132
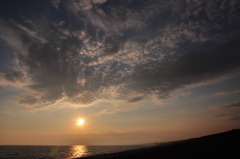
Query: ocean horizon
x,y
60,151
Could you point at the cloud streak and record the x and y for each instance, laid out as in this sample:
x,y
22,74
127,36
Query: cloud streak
x,y
233,105
230,111
228,92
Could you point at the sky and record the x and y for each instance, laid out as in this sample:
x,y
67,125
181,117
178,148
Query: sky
x,y
136,71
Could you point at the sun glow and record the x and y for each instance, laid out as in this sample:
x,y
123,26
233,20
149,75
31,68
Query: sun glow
x,y
80,122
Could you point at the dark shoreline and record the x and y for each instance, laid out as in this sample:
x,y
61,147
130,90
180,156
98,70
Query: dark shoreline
x,y
222,145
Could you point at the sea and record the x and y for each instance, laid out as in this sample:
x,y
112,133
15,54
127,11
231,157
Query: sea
x,y
59,152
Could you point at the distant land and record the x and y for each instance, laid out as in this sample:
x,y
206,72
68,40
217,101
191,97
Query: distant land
x,y
222,145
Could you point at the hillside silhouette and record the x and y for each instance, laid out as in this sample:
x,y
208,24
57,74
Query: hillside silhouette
x,y
222,145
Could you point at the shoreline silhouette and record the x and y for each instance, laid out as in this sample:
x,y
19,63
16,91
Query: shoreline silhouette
x,y
221,145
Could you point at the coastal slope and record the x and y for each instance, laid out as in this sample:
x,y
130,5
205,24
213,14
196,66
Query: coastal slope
x,y
222,145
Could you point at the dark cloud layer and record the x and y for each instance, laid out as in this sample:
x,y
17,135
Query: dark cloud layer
x,y
188,69
106,49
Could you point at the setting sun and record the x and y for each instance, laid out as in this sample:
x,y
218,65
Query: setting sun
x,y
80,122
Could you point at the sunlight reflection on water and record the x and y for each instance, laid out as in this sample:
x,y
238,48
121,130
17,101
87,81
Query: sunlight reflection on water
x,y
78,151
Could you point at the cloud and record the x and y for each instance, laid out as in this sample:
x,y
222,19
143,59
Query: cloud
x,y
235,118
188,69
14,78
82,5
228,92
56,3
135,99
233,105
221,115
230,111
124,105
121,50
121,106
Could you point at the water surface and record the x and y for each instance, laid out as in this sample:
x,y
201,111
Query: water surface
x,y
59,152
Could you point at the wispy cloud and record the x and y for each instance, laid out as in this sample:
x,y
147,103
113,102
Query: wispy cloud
x,y
229,111
136,99
228,92
233,105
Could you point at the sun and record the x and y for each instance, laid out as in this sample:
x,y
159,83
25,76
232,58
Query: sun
x,y
80,122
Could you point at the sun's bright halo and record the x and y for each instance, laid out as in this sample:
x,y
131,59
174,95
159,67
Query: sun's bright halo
x,y
80,122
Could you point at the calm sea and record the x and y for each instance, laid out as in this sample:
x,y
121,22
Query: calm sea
x,y
58,152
